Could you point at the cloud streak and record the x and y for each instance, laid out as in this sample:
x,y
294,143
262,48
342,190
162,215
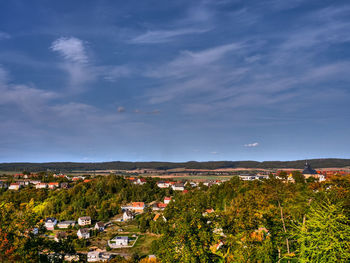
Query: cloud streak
x,y
251,145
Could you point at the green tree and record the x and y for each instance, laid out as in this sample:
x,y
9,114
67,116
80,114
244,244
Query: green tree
x,y
324,236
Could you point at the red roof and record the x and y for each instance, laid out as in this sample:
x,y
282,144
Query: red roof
x,y
161,205
167,198
138,204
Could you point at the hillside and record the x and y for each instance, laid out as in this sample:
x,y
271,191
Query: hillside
x,y
72,166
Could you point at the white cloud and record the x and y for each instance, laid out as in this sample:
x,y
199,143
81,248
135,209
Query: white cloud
x,y
71,49
76,62
254,144
121,109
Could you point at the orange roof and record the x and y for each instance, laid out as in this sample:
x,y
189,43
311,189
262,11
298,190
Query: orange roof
x,y
53,183
138,204
156,217
167,198
161,205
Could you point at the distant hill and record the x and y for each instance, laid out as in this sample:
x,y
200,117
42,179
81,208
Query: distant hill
x,y
71,166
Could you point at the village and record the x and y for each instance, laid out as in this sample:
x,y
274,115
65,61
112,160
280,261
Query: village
x,y
120,235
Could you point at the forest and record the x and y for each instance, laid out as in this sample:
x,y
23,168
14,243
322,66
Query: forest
x,y
118,165
270,220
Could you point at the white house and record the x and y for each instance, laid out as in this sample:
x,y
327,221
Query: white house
x,y
66,224
97,256
50,223
84,221
162,184
100,226
118,241
83,233
128,215
167,200
41,186
14,186
178,187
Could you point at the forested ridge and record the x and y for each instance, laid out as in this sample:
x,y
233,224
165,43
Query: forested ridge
x,y
118,165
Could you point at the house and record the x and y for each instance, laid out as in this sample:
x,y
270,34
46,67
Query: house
x,y
50,223
167,200
178,187
60,235
163,184
78,178
84,221
97,256
70,258
208,211
158,206
83,233
14,186
128,215
54,185
100,226
118,241
23,183
248,177
140,181
66,224
35,182
64,185
137,207
41,185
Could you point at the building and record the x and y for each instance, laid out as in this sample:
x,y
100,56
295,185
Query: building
x,y
60,235
54,185
118,241
50,223
83,233
100,226
309,172
156,206
97,256
163,184
66,224
128,215
64,185
178,187
41,186
84,221
167,200
14,186
137,207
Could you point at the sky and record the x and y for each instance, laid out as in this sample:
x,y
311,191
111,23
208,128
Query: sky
x,y
91,81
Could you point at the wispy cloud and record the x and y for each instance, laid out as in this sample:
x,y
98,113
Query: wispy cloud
x,y
120,109
70,48
254,144
76,62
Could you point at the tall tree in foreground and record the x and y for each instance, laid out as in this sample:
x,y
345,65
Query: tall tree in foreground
x,y
325,235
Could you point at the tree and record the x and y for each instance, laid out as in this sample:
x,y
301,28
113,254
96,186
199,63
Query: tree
x,y
325,234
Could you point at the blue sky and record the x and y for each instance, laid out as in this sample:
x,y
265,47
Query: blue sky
x,y
174,80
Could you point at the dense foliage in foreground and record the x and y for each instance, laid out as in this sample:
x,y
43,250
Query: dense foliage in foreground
x,y
247,221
